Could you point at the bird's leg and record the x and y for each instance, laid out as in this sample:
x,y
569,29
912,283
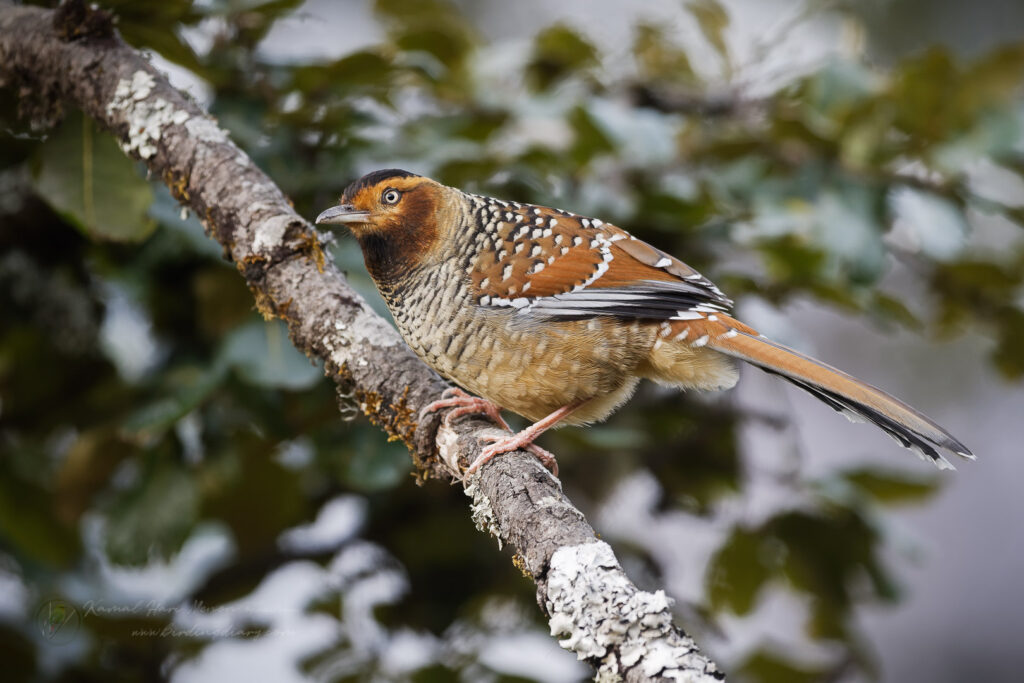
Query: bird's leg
x,y
464,404
524,439
546,457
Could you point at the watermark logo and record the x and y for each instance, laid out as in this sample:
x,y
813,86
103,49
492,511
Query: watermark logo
x,y
58,621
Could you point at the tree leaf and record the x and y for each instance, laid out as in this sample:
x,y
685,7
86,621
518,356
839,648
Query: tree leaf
x,y
658,58
889,308
1008,356
589,139
713,19
86,469
86,178
256,496
28,523
191,386
155,517
559,52
828,553
920,90
433,27
736,573
892,486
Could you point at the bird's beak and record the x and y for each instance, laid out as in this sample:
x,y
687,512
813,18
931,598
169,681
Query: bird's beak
x,y
344,213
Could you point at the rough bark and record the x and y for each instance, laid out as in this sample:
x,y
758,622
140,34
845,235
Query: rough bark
x,y
73,55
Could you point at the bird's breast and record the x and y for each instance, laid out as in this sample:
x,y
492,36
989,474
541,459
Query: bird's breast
x,y
531,366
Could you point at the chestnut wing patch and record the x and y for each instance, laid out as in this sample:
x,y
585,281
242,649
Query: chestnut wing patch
x,y
535,252
557,264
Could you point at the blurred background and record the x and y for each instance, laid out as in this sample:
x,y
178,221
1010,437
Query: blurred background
x,y
180,499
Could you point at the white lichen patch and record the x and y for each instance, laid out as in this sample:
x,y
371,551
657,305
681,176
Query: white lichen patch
x,y
601,616
146,118
206,129
480,509
140,87
270,233
332,344
447,448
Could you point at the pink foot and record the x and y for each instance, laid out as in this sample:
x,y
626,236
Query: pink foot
x,y
507,444
464,404
524,439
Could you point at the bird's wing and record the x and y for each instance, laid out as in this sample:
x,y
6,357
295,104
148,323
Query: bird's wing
x,y
544,261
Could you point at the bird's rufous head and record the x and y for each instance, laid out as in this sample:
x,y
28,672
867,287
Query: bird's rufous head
x,y
384,203
397,216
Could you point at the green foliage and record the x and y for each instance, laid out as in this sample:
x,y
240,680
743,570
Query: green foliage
x,y
154,518
822,554
559,52
984,290
430,27
658,59
141,25
738,572
28,523
86,178
144,401
890,488
713,21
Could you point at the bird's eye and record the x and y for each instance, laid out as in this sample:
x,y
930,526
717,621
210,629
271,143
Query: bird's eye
x,y
391,196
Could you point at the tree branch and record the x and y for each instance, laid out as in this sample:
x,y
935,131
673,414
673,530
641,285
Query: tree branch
x,y
74,55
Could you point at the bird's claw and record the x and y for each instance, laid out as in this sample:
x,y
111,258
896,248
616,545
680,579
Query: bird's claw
x,y
464,404
506,444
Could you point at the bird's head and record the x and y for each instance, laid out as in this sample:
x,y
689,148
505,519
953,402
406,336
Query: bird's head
x,y
397,216
384,202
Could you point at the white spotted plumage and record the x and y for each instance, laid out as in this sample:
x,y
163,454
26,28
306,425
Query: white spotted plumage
x,y
527,247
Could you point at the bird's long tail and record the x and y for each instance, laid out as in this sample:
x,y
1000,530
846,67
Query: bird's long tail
x,y
855,399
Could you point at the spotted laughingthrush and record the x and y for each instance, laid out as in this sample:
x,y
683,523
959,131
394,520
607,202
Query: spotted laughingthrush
x,y
557,317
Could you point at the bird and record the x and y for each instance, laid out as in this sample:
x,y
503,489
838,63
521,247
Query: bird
x,y
557,316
